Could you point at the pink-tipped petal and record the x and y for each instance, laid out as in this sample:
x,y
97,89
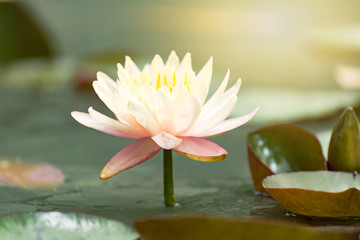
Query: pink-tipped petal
x,y
229,124
119,124
124,132
166,140
201,150
130,156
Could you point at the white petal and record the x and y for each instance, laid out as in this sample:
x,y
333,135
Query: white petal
x,y
143,116
169,76
146,68
107,82
114,123
116,129
131,68
173,61
127,82
203,80
144,78
147,95
187,115
117,103
122,74
229,124
180,94
174,119
163,107
105,95
123,114
214,116
156,68
184,67
216,96
166,140
235,87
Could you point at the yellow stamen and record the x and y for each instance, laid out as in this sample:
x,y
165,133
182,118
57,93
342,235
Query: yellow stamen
x,y
134,80
174,79
186,82
158,82
168,84
165,82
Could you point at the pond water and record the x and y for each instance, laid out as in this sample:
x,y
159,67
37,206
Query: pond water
x,y
36,126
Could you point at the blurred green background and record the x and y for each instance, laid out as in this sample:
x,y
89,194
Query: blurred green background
x,y
275,43
301,58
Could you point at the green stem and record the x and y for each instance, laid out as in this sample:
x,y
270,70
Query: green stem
x,y
169,197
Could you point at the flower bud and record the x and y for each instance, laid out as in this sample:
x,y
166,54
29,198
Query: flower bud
x,y
344,148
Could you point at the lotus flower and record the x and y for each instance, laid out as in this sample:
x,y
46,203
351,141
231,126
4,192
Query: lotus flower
x,y
164,107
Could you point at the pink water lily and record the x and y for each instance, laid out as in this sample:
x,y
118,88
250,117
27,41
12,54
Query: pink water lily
x,y
164,107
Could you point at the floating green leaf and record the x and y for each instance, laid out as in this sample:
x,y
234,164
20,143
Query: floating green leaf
x,y
39,74
201,227
280,149
56,225
318,193
344,148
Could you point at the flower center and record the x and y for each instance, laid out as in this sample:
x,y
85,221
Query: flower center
x,y
169,81
166,78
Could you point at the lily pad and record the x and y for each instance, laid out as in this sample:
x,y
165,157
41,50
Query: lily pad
x,y
317,194
202,227
56,225
344,148
29,175
280,149
38,73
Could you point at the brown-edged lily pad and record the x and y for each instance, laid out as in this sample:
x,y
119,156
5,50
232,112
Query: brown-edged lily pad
x,y
202,227
281,149
29,175
317,194
344,148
